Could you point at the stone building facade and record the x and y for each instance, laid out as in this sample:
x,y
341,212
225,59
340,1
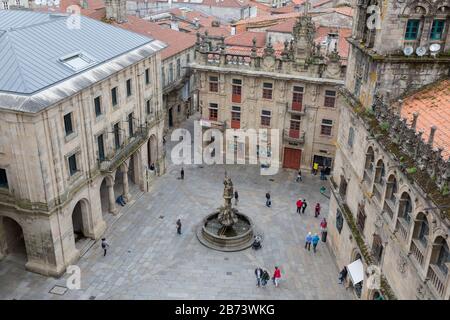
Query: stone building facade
x,y
390,202
178,85
292,88
83,136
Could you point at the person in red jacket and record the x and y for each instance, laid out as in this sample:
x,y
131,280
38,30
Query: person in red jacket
x,y
299,205
316,214
276,276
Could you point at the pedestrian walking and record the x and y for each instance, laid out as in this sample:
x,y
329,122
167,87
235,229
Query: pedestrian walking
x,y
304,205
342,275
317,210
299,205
299,176
182,173
315,168
236,197
315,240
258,274
105,246
276,276
268,201
179,226
265,278
308,241
323,229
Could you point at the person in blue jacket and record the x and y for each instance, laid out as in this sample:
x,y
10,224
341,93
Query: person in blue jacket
x,y
315,240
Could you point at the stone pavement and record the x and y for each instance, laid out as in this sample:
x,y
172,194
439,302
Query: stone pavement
x,y
148,260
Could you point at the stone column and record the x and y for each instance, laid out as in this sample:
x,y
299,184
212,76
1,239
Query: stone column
x,y
111,198
126,193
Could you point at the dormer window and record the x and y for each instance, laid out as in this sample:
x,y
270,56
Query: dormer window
x,y
77,61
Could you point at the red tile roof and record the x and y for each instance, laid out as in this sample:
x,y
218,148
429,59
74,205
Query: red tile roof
x,y
433,105
269,18
321,34
286,9
215,31
245,39
212,3
176,40
284,26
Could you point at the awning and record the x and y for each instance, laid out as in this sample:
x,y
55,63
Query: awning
x,y
356,271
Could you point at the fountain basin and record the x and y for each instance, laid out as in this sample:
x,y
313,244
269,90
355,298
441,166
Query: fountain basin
x,y
236,238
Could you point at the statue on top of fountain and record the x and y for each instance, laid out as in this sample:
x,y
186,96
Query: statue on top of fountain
x,y
227,215
228,189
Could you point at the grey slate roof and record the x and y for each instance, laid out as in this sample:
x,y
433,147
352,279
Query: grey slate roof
x,y
32,43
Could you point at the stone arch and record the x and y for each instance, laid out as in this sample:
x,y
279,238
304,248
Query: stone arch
x,y
404,214
106,192
421,7
406,207
152,150
370,158
134,167
81,219
392,186
380,170
12,239
442,7
440,254
420,239
356,254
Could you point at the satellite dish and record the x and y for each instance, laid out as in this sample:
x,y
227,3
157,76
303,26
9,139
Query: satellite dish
x,y
420,51
434,48
408,50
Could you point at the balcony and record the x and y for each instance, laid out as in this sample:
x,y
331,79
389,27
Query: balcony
x,y
377,191
295,136
437,279
296,108
417,251
402,228
214,124
125,151
389,207
368,176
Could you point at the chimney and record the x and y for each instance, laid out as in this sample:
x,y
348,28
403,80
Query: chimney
x,y
116,10
431,137
174,24
196,23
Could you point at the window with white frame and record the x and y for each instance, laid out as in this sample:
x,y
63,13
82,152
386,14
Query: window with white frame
x,y
326,127
265,118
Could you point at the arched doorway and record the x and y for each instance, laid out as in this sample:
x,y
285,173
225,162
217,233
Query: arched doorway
x,y
359,286
79,221
118,183
152,150
104,196
13,241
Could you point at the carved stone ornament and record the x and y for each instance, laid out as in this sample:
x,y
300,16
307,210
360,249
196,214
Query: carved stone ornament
x,y
402,264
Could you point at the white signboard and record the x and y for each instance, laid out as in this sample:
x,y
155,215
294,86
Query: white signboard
x,y
356,271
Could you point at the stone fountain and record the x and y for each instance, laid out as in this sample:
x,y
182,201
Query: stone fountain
x,y
226,229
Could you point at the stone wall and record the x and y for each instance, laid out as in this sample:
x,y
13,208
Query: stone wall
x,y
34,150
405,269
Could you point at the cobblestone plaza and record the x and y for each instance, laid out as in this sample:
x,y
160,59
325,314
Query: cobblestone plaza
x,y
147,259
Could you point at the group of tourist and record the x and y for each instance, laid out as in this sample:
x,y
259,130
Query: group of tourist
x,y
302,204
314,238
262,277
